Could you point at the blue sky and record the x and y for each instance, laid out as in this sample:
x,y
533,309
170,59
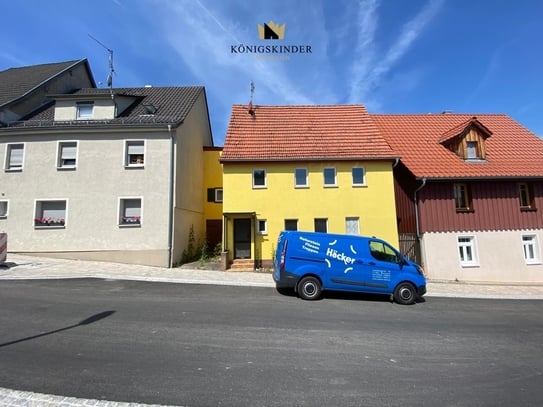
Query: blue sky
x,y
393,56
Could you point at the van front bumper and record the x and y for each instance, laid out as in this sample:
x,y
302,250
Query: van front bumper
x,y
284,279
421,290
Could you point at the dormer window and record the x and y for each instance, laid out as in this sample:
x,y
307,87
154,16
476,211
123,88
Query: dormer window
x,y
467,140
84,110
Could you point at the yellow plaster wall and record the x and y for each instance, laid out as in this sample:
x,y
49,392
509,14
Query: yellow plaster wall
x,y
212,179
373,204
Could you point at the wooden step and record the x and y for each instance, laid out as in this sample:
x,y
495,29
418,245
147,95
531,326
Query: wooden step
x,y
242,265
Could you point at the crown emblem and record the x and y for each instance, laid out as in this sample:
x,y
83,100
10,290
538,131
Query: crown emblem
x,y
271,31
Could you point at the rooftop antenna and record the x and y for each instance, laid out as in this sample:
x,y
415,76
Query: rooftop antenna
x,y
251,110
110,58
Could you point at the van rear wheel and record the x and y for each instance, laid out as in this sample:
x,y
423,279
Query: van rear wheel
x,y
405,294
309,288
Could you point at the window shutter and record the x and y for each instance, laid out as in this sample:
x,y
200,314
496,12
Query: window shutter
x,y
132,208
53,209
69,151
135,149
211,195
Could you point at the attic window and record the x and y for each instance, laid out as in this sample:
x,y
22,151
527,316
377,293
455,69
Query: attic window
x,y
84,110
467,140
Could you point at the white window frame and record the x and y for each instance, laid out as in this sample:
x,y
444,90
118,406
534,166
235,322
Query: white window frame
x,y
126,159
57,222
262,231
4,202
357,184
531,256
354,227
462,249
218,195
306,182
265,178
60,146
7,164
324,177
84,110
121,212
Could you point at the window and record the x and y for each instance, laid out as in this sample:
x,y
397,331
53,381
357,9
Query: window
x,y
262,226
321,225
531,249
525,196
300,177
467,251
291,224
214,195
14,157
329,177
471,150
135,153
383,252
67,154
50,214
462,197
3,209
130,212
352,226
218,194
259,178
84,110
359,176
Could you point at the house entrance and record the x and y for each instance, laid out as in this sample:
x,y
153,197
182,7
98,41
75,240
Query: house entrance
x,y
242,238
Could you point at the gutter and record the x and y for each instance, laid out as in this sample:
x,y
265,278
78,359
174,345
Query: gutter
x,y
170,196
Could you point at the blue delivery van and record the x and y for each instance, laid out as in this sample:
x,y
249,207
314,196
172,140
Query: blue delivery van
x,y
310,262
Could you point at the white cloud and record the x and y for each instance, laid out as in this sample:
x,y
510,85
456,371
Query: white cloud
x,y
370,67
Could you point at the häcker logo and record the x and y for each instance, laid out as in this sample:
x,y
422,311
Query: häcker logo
x,y
271,31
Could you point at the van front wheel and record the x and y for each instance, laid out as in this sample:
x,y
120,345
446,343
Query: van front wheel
x,y
309,288
405,294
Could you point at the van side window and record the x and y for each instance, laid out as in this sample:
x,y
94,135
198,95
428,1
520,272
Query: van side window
x,y
383,252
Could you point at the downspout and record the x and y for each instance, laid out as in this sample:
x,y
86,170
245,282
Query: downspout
x,y
170,196
417,207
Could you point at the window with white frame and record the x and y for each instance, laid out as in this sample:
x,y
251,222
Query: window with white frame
x,y
130,211
135,153
352,226
4,206
467,251
300,178
14,157
50,213
262,226
329,177
530,248
259,178
359,176
67,154
218,194
84,110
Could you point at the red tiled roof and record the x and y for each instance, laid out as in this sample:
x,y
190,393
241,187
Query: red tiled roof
x,y
293,133
511,150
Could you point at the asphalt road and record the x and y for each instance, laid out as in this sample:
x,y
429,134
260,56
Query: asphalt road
x,y
196,345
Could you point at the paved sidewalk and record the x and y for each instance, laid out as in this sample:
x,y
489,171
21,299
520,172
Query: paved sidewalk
x,y
30,267
19,267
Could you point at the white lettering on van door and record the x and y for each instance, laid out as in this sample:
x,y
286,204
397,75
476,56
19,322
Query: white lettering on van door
x,y
333,253
380,275
310,246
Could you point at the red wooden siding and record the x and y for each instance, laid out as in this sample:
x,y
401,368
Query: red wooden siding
x,y
496,206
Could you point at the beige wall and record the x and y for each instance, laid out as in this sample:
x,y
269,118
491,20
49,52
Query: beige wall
x,y
500,257
92,192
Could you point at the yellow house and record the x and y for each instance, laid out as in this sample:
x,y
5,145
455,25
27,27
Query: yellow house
x,y
212,190
313,168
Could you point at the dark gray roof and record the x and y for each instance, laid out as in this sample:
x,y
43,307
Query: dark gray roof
x,y
17,82
172,103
